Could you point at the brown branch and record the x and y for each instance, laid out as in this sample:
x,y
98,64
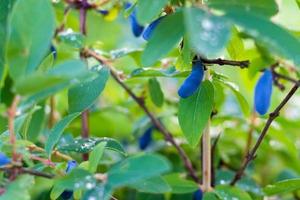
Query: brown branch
x,y
271,118
168,136
11,112
219,61
21,170
54,153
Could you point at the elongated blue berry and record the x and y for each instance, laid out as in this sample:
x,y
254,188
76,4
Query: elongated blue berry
x,y
263,92
53,51
146,139
67,194
193,81
149,30
4,160
103,12
136,28
198,195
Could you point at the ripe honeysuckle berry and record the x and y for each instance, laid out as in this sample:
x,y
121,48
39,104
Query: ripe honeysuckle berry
x,y
53,51
146,139
193,81
103,12
136,28
149,30
71,165
263,92
198,195
4,160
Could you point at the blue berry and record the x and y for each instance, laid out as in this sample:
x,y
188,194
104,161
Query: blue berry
x,y
198,195
103,12
193,81
146,139
53,51
67,194
4,160
71,165
149,30
263,92
136,28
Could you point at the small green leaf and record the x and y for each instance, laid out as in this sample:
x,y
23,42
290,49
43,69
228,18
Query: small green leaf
x,y
207,34
180,185
57,131
96,156
137,168
156,94
195,111
156,185
82,145
272,36
266,8
71,38
19,189
148,10
280,187
30,36
84,95
159,45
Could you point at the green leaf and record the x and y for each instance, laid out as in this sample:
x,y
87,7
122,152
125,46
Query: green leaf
x,y
77,179
164,38
148,10
156,185
154,72
156,94
5,8
280,187
273,37
36,123
266,8
207,34
57,131
86,145
227,192
30,36
194,112
137,168
85,94
71,38
96,156
180,185
210,196
101,191
19,188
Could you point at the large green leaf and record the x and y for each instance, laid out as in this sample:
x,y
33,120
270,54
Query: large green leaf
x,y
164,38
30,35
5,8
71,71
156,94
207,34
19,189
85,145
282,187
225,192
273,37
84,95
266,7
180,185
195,111
148,10
156,185
57,131
137,168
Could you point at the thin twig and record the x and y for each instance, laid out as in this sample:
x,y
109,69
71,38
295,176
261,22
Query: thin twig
x,y
26,171
168,136
271,118
219,61
54,153
206,160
